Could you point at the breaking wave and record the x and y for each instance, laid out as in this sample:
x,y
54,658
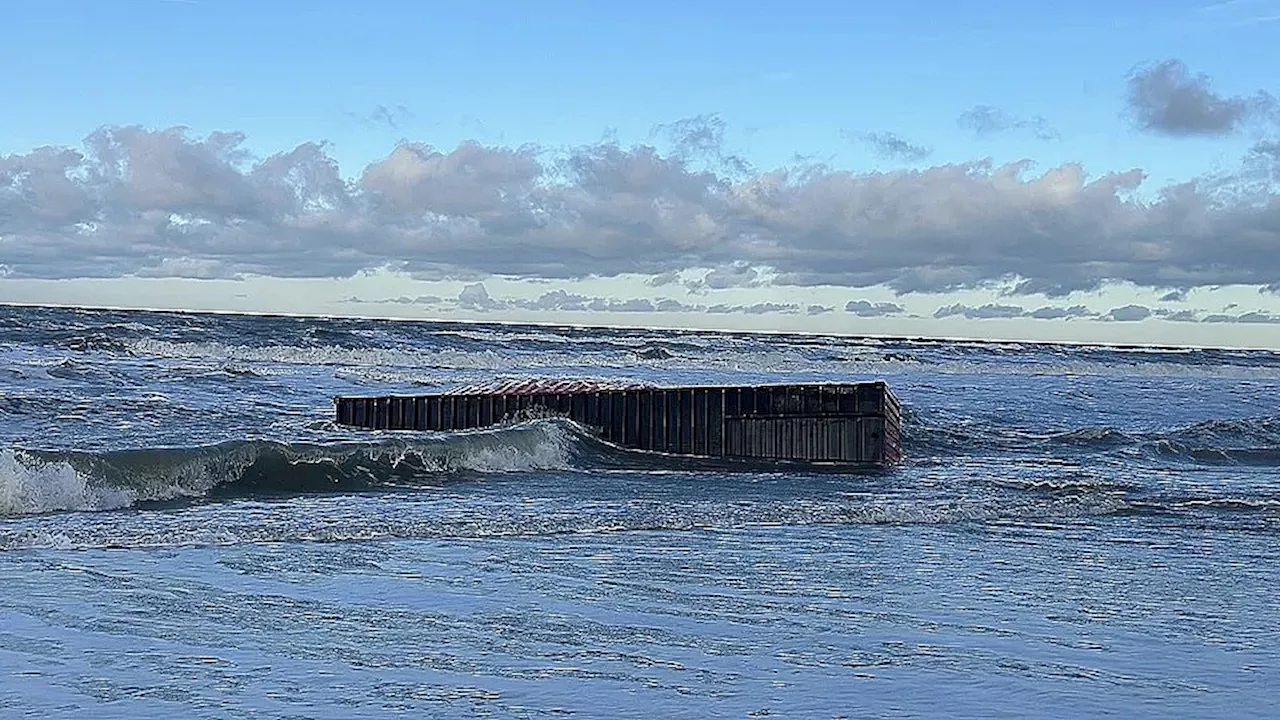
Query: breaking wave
x,y
42,481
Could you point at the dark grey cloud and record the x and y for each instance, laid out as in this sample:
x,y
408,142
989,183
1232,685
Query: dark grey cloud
x,y
891,146
1128,313
138,201
1174,296
819,309
863,308
985,120
1166,98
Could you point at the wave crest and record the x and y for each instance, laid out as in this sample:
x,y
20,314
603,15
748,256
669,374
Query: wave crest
x,y
38,481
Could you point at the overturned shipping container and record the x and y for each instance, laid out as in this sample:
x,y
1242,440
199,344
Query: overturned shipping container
x,y
850,423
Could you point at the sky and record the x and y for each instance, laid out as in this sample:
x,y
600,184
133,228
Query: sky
x,y
1087,171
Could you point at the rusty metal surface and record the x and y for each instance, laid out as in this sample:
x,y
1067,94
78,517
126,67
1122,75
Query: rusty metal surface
x,y
550,386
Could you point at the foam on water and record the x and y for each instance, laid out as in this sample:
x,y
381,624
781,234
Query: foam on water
x,y
35,482
30,486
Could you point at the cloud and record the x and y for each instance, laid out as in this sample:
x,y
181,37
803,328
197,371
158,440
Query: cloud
x,y
476,297
1041,286
1174,296
984,312
666,278
559,300
1176,315
701,138
390,117
996,311
985,120
755,308
862,308
1129,313
819,309
1263,163
992,311
1050,312
1165,98
138,201
734,275
891,146
1257,316
401,300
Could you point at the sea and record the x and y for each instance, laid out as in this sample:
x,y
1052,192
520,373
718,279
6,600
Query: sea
x,y
1074,531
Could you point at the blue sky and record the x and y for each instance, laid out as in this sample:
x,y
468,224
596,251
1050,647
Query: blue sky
x,y
795,79
787,78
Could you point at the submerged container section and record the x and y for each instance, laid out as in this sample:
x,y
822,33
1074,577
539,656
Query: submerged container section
x,y
851,423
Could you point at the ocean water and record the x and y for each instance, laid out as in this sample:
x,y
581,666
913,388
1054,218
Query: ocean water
x,y
1075,531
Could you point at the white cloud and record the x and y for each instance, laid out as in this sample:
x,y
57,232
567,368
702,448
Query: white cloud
x,y
476,297
143,202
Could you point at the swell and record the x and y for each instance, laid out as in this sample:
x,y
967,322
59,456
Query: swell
x,y
1247,441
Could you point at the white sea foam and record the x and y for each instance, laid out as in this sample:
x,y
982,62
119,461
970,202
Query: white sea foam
x,y
32,484
29,486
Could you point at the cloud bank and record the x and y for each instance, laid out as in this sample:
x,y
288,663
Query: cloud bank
x,y
148,202
476,297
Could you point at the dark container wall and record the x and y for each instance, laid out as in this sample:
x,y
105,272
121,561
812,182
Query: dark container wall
x,y
855,423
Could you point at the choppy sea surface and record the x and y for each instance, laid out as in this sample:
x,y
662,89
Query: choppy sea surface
x,y
1075,531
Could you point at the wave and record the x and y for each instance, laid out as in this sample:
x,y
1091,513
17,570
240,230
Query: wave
x,y
34,482
317,522
1245,441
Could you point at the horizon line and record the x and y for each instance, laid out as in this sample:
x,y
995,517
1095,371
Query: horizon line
x,y
633,328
